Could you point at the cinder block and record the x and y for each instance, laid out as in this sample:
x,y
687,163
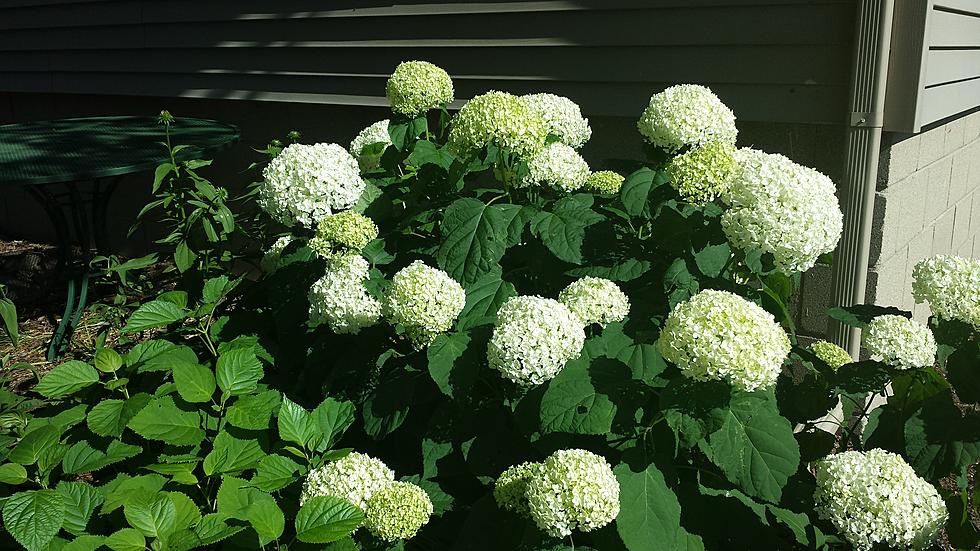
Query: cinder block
x,y
959,176
937,188
898,161
932,146
889,282
815,296
971,127
920,247
961,224
954,135
942,237
975,214
921,313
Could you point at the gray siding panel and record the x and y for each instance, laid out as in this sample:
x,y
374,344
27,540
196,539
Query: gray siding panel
x,y
771,60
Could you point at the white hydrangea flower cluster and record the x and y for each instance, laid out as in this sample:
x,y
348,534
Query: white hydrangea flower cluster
x,y
417,86
374,134
782,208
559,166
605,182
875,497
397,511
340,299
900,342
595,300
831,354
573,489
563,118
687,115
510,489
533,338
344,233
270,260
703,173
951,286
355,477
718,335
304,183
425,300
500,118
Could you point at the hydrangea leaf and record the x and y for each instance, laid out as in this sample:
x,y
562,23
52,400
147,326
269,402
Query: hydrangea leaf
x,y
636,189
231,454
563,229
153,314
254,411
33,518
83,458
195,382
388,406
275,472
80,501
296,425
939,440
110,417
332,417
649,514
153,514
626,270
449,374
34,443
127,539
323,519
963,372
755,447
483,298
67,378
571,403
474,238
238,371
161,419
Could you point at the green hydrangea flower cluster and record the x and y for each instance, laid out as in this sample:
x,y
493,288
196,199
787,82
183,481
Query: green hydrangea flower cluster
x,y
703,173
831,354
344,233
510,489
397,511
595,300
951,286
417,86
687,115
900,342
559,166
497,118
425,300
605,182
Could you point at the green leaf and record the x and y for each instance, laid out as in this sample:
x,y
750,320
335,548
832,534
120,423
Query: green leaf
x,y
239,371
8,317
626,270
694,409
635,192
231,455
195,382
859,315
84,543
474,238
649,513
13,474
644,361
679,283
67,378
572,404
863,377
123,488
162,420
127,539
153,515
963,370
158,355
324,519
108,360
153,314
186,512
332,418
265,516
34,518
755,447
184,257
711,260
275,472
160,173
426,152
449,374
387,408
254,411
939,440
483,298
83,458
34,444
80,502
563,229
216,288
296,425
110,417
179,473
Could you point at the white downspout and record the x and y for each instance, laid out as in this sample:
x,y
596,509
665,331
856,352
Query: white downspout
x,y
872,43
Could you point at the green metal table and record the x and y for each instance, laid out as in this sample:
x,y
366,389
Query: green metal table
x,y
53,159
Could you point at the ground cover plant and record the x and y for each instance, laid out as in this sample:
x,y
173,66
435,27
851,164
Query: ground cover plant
x,y
466,338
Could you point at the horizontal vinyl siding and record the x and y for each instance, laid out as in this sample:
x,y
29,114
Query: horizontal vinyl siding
x,y
772,60
952,64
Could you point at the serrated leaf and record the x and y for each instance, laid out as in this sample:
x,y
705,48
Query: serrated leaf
x,y
195,382
153,515
443,355
626,270
110,417
939,440
231,454
84,543
33,444
13,474
649,513
563,229
323,519
474,238
254,411
296,425
158,355
711,260
120,490
483,298
275,472
108,360
635,192
162,420
213,529
238,371
755,447
34,518
153,314
80,501
186,512
127,539
332,418
265,516
571,403
180,473
67,378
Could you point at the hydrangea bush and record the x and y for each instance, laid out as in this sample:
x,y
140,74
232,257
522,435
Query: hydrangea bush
x,y
466,337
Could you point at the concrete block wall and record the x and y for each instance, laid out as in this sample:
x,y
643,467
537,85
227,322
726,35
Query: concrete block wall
x,y
927,202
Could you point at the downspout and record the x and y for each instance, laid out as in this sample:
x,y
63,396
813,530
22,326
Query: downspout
x,y
872,43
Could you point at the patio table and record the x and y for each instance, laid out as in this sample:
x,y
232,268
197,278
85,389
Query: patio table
x,y
51,159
